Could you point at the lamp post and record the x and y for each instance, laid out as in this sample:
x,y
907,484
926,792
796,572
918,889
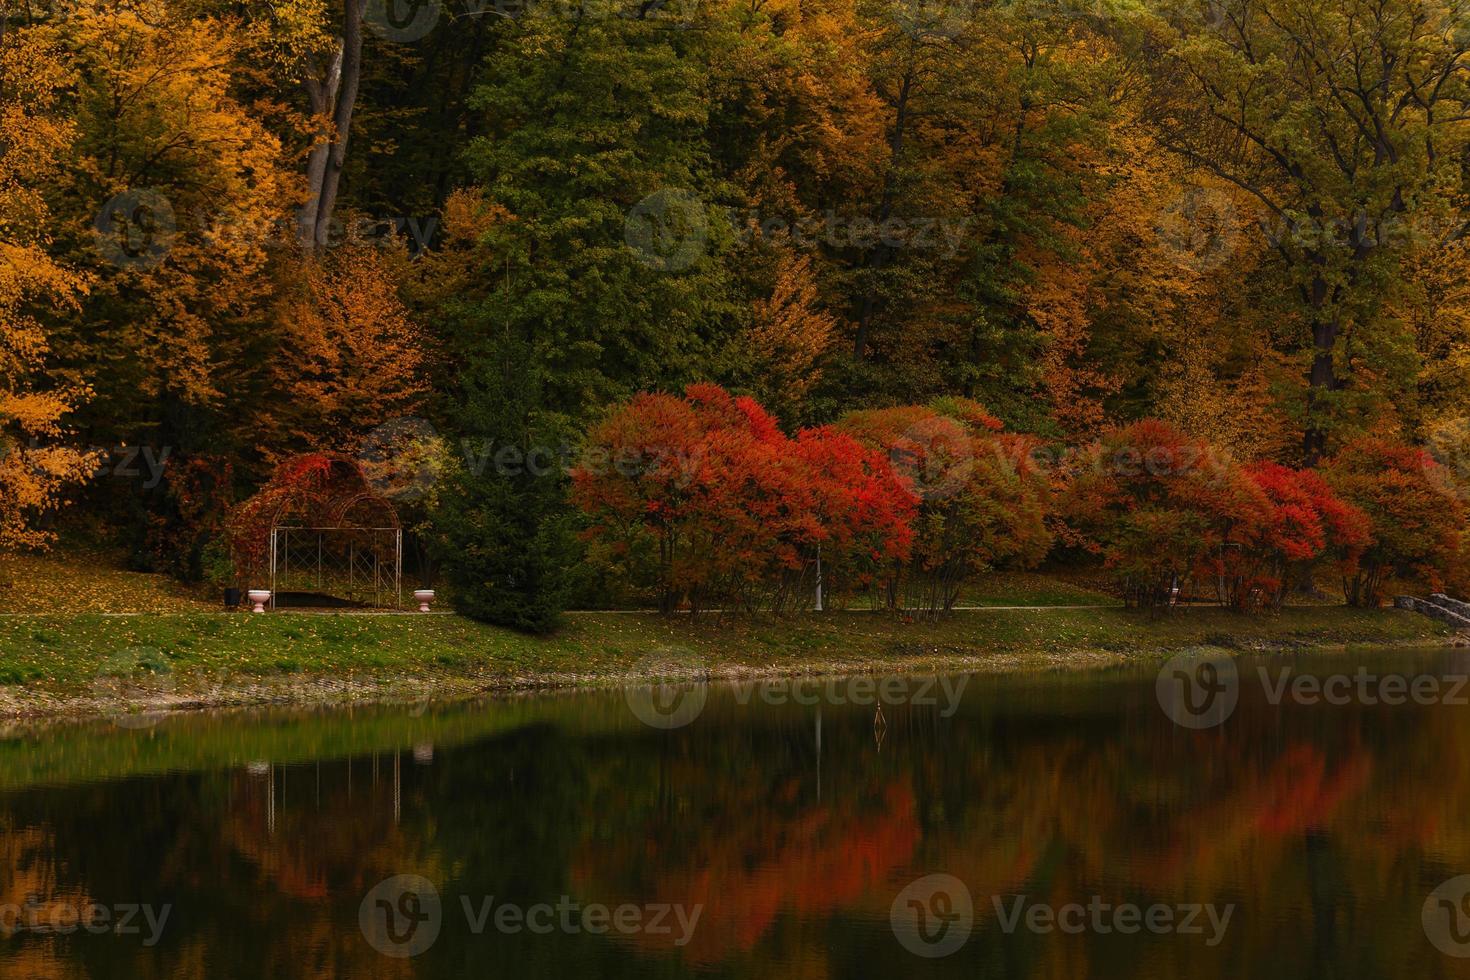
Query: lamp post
x,y
819,578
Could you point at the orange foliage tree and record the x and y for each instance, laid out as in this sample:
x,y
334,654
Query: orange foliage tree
x,y
352,356
35,471
192,185
788,335
982,501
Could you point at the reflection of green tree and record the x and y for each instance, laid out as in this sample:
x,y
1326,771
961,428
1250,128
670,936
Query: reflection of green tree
x,y
217,740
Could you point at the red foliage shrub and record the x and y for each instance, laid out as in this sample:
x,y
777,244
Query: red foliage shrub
x,y
1414,519
708,493
1307,522
705,496
1160,507
858,512
982,502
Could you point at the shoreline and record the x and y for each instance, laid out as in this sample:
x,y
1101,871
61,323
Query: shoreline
x,y
419,668
321,691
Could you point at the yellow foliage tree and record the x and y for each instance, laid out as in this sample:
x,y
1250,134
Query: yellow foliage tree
x,y
788,334
464,266
35,472
187,190
1435,304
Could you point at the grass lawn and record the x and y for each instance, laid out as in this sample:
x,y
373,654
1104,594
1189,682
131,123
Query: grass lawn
x,y
1033,589
49,662
63,657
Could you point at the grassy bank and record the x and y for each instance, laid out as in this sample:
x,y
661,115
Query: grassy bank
x,y
80,635
75,663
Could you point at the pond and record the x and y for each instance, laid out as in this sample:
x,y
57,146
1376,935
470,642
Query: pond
x,y
1312,821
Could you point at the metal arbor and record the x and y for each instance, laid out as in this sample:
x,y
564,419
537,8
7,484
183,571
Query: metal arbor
x,y
330,534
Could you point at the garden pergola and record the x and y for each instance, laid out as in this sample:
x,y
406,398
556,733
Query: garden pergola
x,y
363,565
322,533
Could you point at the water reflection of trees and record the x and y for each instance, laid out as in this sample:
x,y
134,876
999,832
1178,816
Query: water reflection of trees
x,y
1326,827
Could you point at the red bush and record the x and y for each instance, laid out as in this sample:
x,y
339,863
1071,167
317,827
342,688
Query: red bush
x,y
858,511
705,496
1160,507
1306,523
982,503
710,498
1415,520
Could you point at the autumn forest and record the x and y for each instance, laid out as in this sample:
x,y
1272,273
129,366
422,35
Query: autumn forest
x,y
1175,290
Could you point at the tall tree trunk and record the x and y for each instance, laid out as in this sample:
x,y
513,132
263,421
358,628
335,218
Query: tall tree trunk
x,y
999,235
1323,375
333,97
1326,325
1323,378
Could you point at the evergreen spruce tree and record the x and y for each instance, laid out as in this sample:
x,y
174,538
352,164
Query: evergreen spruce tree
x,y
503,529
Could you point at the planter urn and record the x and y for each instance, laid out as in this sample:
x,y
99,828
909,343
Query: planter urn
x,y
423,597
258,599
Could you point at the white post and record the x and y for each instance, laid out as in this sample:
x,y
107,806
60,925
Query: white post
x,y
819,578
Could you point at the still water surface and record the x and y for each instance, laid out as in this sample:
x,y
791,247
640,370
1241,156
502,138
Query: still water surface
x,y
760,839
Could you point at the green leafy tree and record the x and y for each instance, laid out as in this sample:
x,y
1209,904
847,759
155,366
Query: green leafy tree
x,y
1345,120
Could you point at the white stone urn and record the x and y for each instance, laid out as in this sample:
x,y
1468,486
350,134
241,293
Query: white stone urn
x,y
258,598
423,597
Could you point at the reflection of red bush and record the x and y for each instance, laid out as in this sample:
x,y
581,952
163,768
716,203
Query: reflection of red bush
x,y
1300,794
1258,807
819,860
